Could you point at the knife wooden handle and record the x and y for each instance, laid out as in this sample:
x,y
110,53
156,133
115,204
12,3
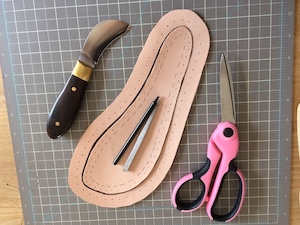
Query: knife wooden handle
x,y
66,107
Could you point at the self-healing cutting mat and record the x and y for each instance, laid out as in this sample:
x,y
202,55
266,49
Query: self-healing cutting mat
x,y
40,43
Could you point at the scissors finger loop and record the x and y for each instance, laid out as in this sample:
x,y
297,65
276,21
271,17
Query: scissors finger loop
x,y
189,205
239,198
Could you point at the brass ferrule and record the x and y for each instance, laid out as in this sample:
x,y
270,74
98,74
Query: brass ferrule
x,y
82,71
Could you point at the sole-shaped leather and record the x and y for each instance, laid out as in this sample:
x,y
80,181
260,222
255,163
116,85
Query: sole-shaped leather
x,y
169,66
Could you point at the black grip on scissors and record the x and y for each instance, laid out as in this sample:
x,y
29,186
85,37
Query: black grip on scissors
x,y
234,210
182,205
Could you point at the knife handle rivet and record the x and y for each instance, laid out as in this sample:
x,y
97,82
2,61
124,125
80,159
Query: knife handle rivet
x,y
57,123
74,89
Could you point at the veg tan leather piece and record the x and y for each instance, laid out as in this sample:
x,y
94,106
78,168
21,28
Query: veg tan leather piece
x,y
169,66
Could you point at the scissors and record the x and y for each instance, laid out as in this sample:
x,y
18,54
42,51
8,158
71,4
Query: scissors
x,y
222,149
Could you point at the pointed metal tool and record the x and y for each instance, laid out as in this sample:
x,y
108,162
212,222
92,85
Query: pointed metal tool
x,y
67,105
139,141
136,130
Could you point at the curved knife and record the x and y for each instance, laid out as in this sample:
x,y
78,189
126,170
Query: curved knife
x,y
67,105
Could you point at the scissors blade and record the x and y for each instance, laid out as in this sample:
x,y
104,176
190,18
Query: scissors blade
x,y
228,113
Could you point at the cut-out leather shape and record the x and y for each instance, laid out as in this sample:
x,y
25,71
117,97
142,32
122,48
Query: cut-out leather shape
x,y
169,66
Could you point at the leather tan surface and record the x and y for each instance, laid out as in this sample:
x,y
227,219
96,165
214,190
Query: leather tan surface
x,y
169,66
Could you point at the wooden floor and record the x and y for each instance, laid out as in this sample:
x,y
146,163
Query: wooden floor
x,y
10,204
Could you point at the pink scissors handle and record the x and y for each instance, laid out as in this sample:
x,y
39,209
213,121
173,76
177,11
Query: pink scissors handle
x,y
210,207
225,139
222,148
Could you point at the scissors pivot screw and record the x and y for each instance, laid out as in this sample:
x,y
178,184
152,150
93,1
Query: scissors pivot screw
x,y
228,132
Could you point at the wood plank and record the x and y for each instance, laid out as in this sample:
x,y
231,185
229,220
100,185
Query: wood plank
x,y
10,203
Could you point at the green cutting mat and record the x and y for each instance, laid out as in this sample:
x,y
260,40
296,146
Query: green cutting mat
x,y
40,42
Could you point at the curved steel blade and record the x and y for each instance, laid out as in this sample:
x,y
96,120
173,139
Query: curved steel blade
x,y
228,113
